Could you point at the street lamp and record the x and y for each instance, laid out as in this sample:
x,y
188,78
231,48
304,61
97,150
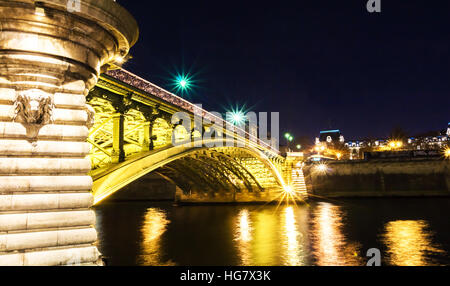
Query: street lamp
x,y
236,117
289,138
182,83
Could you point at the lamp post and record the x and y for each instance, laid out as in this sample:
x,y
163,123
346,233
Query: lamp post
x,y
289,138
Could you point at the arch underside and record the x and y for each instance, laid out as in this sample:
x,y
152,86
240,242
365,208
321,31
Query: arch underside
x,y
218,169
193,169
214,170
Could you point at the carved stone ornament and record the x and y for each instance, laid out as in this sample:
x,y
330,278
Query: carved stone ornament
x,y
91,116
33,106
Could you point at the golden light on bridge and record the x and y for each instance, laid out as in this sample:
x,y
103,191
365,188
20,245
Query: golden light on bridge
x,y
289,195
289,190
119,60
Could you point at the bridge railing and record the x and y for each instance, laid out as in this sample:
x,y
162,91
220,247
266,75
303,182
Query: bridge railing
x,y
148,87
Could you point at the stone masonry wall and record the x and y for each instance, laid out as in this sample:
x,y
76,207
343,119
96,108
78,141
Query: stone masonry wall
x,y
380,178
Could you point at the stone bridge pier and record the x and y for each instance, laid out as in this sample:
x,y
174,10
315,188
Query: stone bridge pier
x,y
51,55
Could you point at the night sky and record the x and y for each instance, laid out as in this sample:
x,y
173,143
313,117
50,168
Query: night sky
x,y
323,64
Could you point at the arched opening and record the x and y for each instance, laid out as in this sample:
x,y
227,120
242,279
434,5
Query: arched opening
x,y
209,172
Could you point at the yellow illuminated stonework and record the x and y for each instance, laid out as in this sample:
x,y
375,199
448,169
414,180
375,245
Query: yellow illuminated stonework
x,y
134,134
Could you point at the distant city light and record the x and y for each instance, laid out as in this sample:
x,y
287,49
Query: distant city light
x,y
299,146
287,135
339,156
447,153
395,144
321,168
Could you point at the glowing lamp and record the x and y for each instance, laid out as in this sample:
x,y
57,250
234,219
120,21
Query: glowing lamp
x,y
40,11
447,153
119,60
321,168
237,117
289,189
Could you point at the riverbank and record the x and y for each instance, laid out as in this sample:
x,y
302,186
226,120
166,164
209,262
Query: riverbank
x,y
379,178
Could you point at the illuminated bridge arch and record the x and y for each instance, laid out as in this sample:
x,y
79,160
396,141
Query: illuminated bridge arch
x,y
131,136
209,170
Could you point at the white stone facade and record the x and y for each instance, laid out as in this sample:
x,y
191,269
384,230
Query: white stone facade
x,y
49,64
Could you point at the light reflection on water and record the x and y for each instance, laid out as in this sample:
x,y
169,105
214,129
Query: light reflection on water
x,y
154,225
409,243
264,249
272,233
243,237
329,243
293,249
317,234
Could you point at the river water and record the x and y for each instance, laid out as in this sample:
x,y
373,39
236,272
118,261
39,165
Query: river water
x,y
413,231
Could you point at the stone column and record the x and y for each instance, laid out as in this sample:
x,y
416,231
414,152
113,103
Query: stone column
x,y
50,57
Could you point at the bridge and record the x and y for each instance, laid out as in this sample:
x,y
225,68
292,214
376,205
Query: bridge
x,y
132,135
67,110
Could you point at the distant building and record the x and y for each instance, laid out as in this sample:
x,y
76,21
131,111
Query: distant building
x,y
357,147
325,145
431,142
330,136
